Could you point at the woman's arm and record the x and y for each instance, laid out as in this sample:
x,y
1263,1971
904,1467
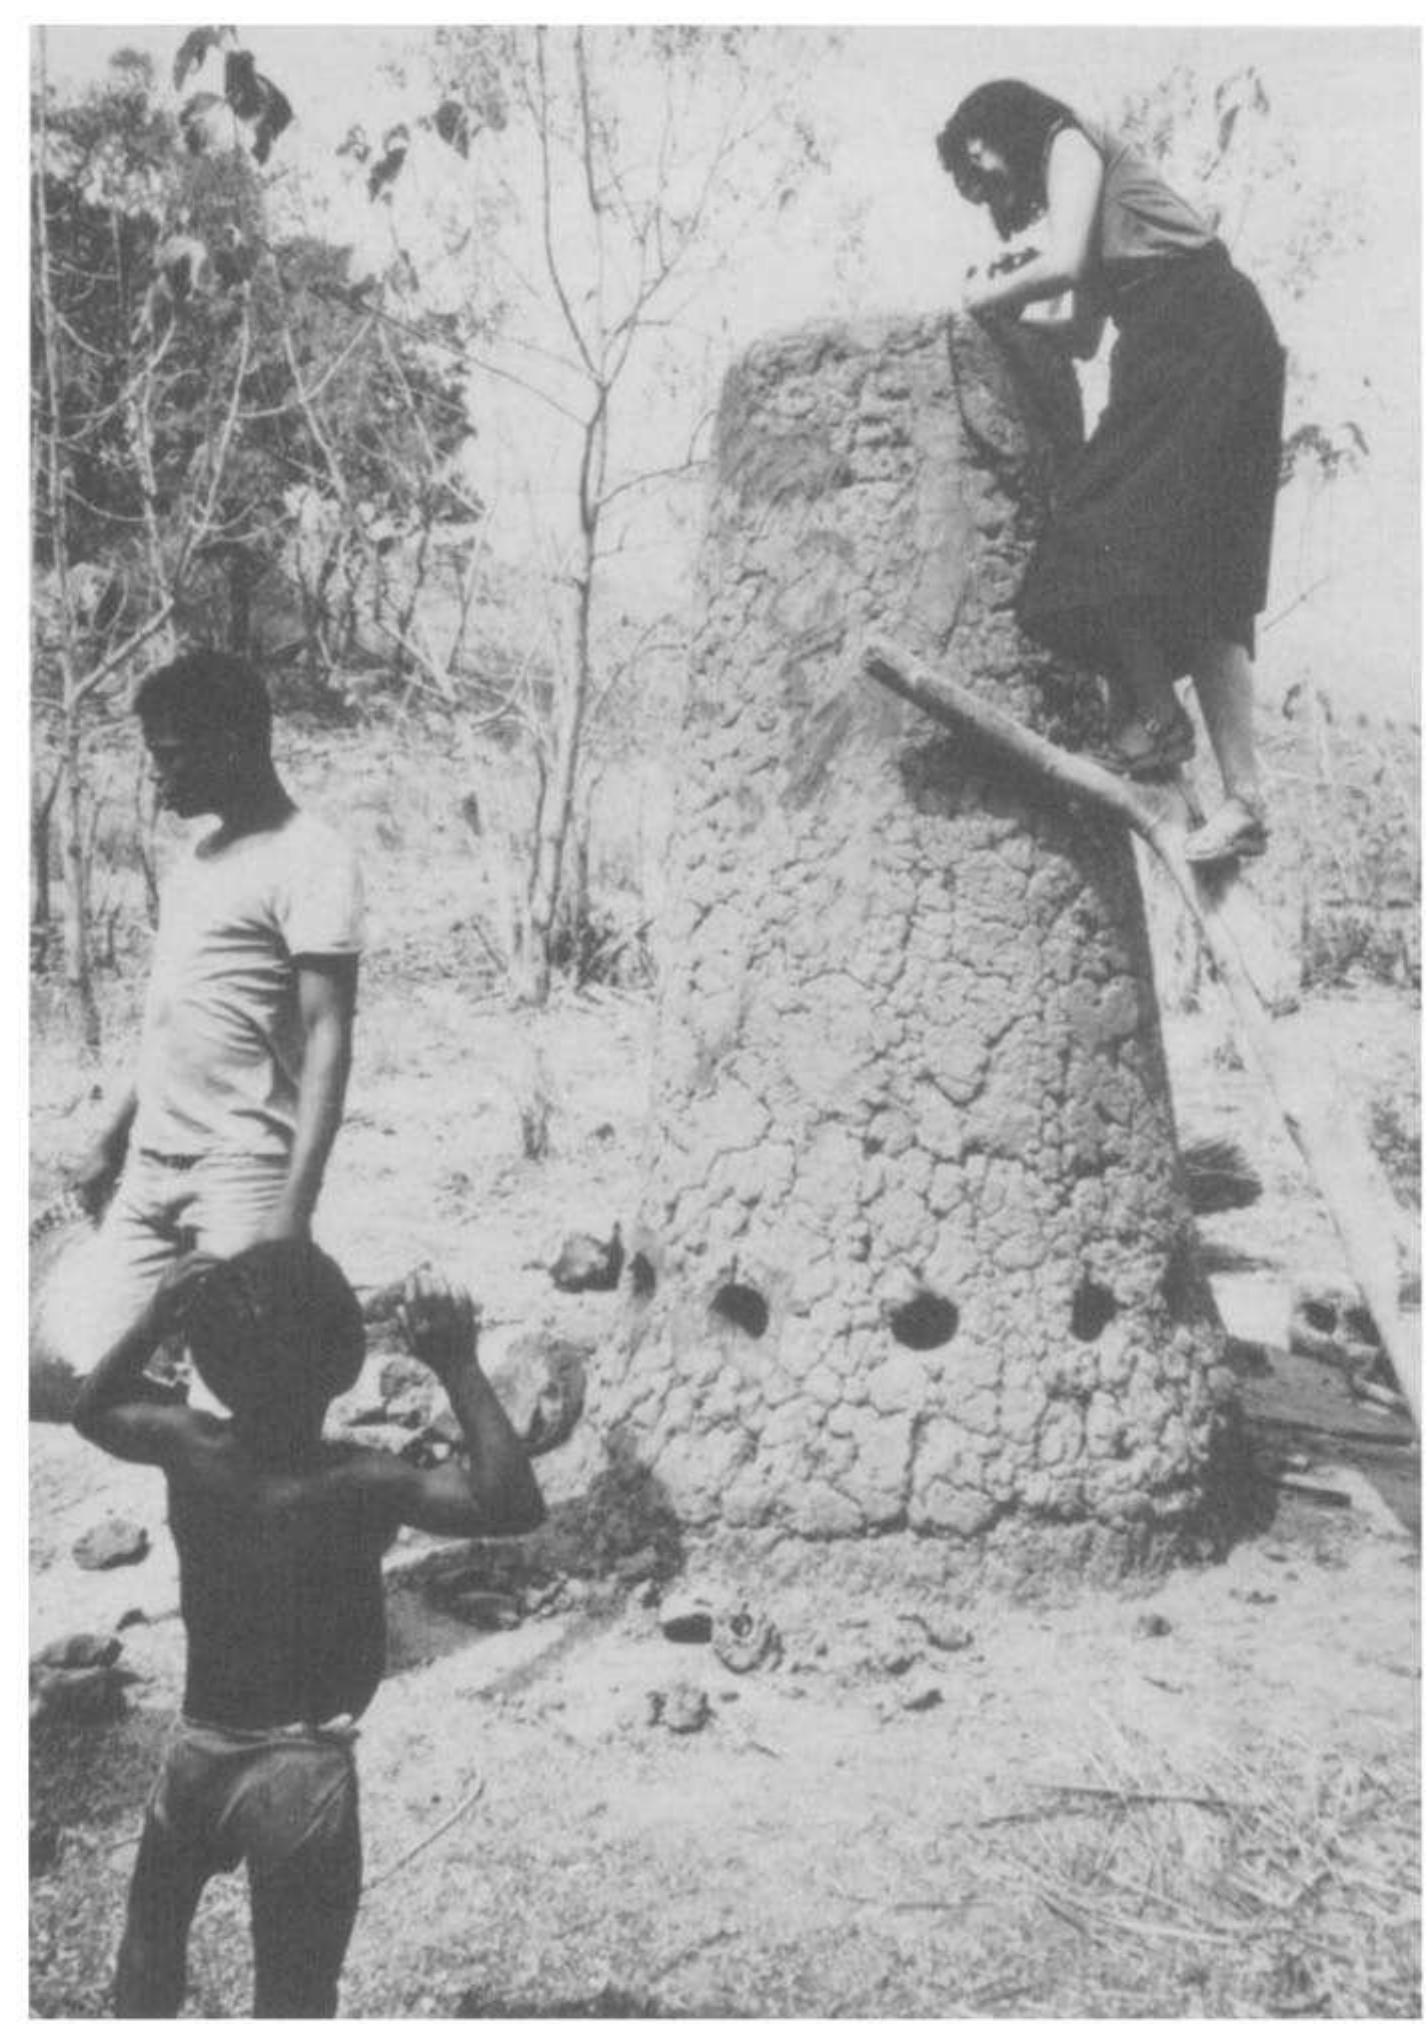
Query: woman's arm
x,y
1074,177
1077,330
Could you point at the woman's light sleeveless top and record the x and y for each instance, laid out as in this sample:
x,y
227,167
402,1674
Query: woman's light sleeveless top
x,y
1141,217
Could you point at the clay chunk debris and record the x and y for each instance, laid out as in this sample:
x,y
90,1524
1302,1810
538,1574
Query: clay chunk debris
x,y
81,1649
77,1694
744,1639
943,1631
683,1708
115,1543
588,1264
686,1618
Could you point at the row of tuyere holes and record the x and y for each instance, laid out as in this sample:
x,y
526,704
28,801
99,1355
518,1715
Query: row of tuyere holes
x,y
927,1320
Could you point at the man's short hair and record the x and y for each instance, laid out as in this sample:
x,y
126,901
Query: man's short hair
x,y
276,1329
208,692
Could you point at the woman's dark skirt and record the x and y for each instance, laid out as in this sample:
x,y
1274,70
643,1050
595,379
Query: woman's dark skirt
x,y
1170,505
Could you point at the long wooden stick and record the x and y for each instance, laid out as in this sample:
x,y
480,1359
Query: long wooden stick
x,y
1333,1147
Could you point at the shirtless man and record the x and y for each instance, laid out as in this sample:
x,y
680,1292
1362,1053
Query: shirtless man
x,y
242,1071
280,1538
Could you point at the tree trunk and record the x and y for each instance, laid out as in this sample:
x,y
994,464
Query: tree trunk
x,y
41,827
558,800
76,869
78,954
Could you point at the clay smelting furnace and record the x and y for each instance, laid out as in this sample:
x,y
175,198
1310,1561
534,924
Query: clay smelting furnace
x,y
914,1250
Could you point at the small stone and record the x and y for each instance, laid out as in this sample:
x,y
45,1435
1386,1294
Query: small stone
x,y
84,1648
917,1700
943,1631
1151,1624
899,1652
639,1566
131,1617
683,1708
589,1264
1260,1595
115,1543
484,1609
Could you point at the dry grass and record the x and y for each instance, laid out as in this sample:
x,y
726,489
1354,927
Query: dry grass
x,y
1283,1882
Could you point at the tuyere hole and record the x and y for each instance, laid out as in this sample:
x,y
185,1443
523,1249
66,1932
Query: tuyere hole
x,y
926,1321
1092,1310
743,1307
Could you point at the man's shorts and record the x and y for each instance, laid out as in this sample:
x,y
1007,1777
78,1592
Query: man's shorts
x,y
164,1208
281,1800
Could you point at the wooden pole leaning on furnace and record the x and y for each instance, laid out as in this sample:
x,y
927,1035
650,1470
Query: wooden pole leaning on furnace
x,y
1373,1229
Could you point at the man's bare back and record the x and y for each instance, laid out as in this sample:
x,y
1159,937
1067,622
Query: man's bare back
x,y
280,1582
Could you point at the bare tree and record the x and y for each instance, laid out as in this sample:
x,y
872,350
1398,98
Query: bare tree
x,y
630,162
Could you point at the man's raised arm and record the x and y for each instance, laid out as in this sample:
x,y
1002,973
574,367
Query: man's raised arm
x,y
494,1489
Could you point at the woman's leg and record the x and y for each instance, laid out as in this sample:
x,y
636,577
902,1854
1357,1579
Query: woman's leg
x,y
1144,669
1224,686
1225,689
1150,735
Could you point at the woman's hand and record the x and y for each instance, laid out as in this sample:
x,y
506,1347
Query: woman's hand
x,y
978,299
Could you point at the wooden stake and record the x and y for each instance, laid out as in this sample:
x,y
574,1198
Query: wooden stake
x,y
1371,1225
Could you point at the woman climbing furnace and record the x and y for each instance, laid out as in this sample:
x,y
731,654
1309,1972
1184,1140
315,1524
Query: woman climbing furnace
x,y
1154,562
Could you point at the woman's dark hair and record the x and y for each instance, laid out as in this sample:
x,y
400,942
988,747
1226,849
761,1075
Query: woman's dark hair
x,y
276,1331
1018,122
209,693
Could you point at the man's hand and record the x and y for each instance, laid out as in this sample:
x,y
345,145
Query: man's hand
x,y
982,302
439,1321
175,1293
94,1179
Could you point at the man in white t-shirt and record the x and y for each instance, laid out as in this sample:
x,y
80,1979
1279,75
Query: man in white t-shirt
x,y
223,1137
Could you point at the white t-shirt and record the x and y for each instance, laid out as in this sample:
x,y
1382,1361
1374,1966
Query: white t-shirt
x,y
221,1050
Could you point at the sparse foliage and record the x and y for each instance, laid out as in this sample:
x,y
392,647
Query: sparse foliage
x,y
628,163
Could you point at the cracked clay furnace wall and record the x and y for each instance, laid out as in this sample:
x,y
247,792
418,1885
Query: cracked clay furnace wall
x,y
913,1247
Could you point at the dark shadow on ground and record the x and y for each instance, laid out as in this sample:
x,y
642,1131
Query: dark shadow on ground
x,y
606,2002
619,1535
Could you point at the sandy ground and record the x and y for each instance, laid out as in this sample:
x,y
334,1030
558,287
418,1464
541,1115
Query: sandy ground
x,y
1048,1820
